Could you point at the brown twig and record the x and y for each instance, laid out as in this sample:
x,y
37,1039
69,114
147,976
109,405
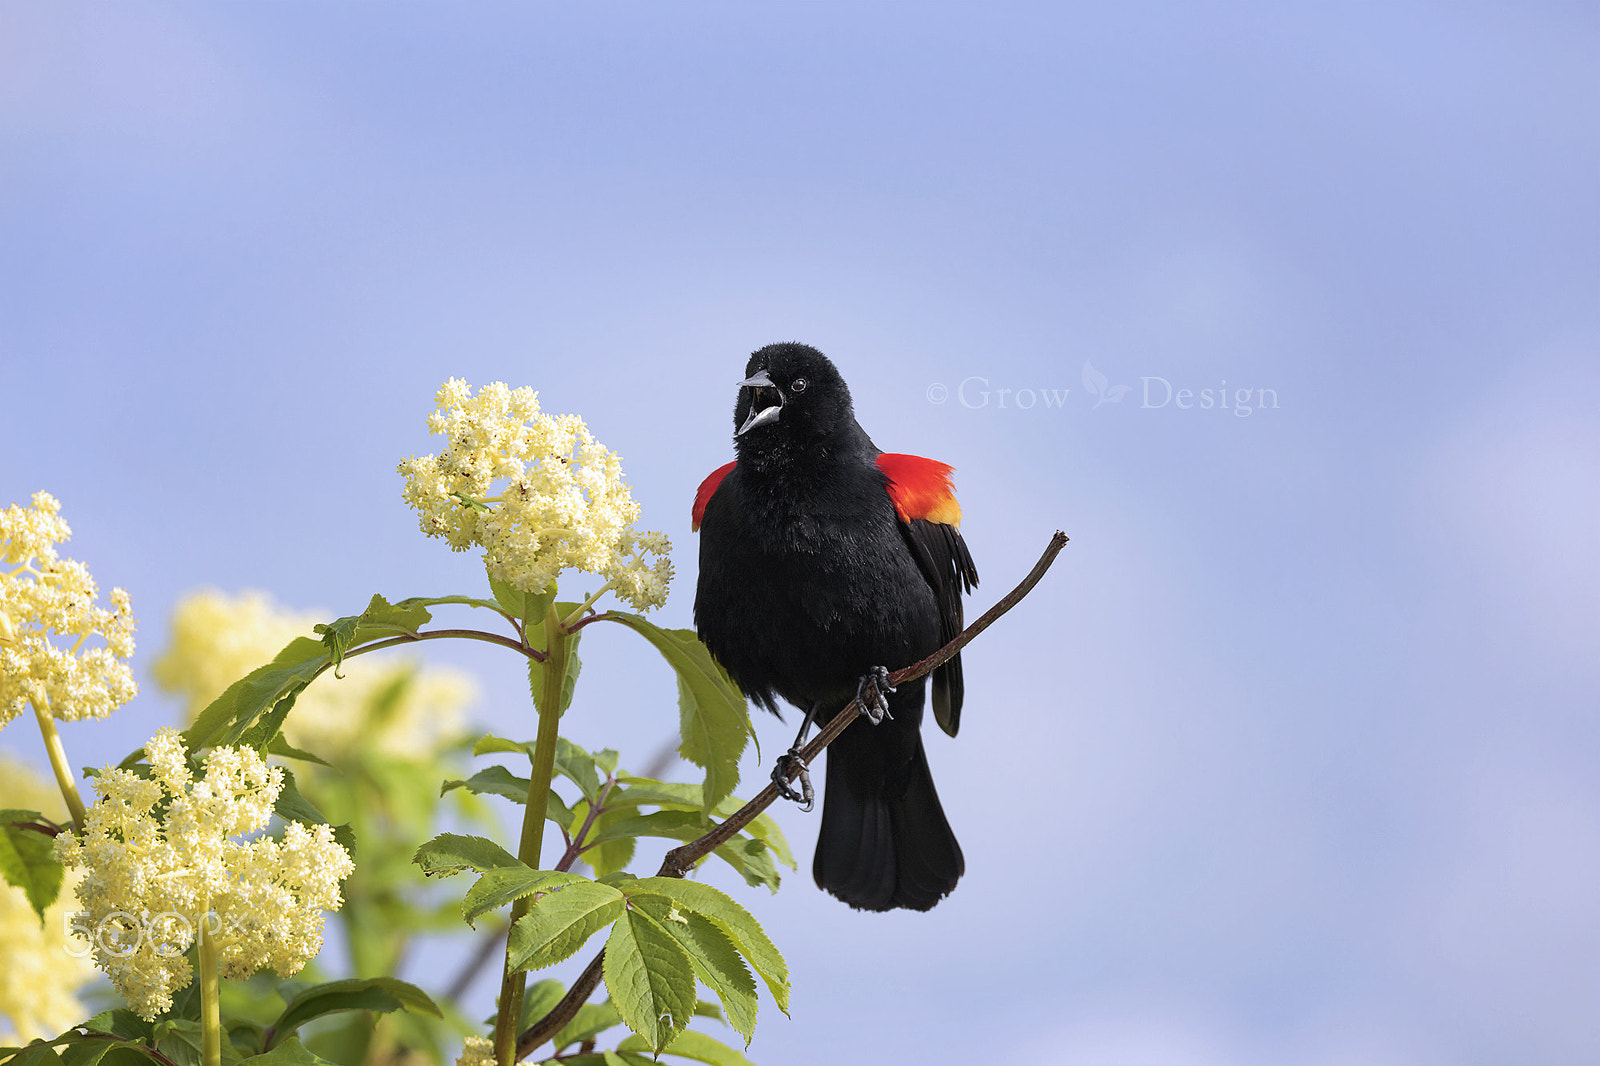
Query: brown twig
x,y
679,861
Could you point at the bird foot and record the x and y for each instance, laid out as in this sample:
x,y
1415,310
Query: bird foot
x,y
873,694
790,764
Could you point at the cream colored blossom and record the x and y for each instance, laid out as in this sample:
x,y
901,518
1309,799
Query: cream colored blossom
x,y
388,704
537,492
43,969
151,879
476,1052
43,599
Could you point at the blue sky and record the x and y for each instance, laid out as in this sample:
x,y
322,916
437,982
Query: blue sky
x,y
1292,758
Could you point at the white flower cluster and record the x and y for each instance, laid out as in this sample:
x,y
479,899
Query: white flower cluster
x,y
395,707
152,879
42,595
536,492
477,1051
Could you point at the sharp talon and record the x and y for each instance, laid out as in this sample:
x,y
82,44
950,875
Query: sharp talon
x,y
790,762
871,692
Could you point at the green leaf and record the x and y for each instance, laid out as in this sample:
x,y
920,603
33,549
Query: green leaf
x,y
682,796
279,746
98,1052
569,678
559,923
498,887
180,1040
37,1053
749,856
591,1020
540,999
577,766
289,1053
713,720
122,1024
489,744
380,619
499,781
241,703
716,961
28,859
450,853
380,994
739,925
526,607
694,1045
609,855
650,978
292,806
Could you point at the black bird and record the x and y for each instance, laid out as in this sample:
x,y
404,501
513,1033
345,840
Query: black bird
x,y
824,562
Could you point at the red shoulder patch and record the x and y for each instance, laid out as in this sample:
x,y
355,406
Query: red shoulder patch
x,y
708,489
921,488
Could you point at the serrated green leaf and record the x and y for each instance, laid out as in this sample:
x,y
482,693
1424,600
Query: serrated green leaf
x,y
559,923
450,853
499,781
738,923
380,994
692,1044
713,720
498,887
716,960
28,859
650,978
225,720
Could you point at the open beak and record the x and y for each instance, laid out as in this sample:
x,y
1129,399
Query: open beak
x,y
761,412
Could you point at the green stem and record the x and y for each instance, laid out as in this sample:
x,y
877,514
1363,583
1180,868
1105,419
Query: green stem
x,y
58,762
547,699
210,998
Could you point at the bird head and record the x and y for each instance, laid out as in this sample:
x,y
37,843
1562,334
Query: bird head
x,y
791,393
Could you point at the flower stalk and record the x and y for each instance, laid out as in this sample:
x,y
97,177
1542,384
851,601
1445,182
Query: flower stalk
x,y
58,763
210,996
547,699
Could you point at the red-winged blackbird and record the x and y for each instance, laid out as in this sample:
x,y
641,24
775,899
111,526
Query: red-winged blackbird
x,y
823,561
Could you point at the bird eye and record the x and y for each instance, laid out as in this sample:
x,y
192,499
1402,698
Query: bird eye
x,y
797,385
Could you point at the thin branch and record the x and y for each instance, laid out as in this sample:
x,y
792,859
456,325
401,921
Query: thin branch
x,y
680,860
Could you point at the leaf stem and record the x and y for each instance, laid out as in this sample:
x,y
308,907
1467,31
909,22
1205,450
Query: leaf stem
x,y
58,761
547,698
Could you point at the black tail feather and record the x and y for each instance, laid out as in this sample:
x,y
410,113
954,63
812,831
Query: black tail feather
x,y
884,841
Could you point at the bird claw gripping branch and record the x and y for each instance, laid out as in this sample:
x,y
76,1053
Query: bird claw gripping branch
x,y
873,692
790,764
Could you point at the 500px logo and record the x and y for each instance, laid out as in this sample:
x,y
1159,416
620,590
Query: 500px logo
x,y
121,933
